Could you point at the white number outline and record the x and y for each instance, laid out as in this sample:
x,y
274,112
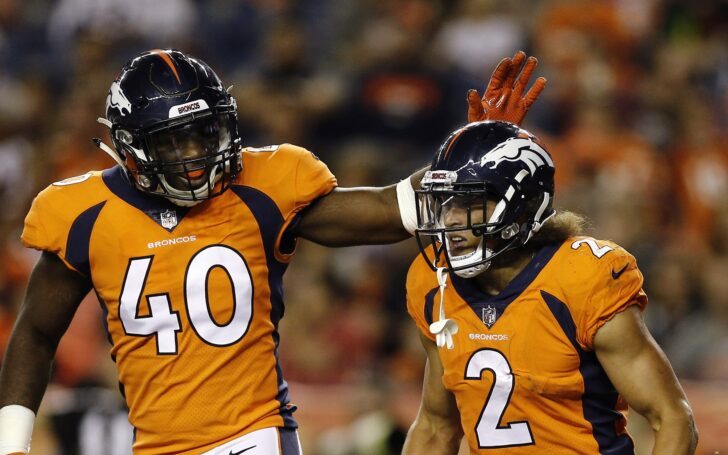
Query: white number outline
x,y
487,428
598,251
160,307
129,309
236,308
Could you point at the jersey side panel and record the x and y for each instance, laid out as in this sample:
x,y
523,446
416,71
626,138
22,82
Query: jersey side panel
x,y
602,280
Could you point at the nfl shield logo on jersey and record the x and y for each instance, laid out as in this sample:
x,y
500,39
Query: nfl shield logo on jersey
x,y
489,316
168,219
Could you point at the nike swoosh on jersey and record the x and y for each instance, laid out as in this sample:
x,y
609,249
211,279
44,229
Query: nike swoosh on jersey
x,y
244,450
619,273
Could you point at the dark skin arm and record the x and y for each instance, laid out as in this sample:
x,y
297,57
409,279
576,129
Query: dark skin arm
x,y
370,216
643,376
54,292
356,216
437,429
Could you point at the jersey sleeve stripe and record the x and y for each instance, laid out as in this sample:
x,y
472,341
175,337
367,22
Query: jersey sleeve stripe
x,y
429,305
270,220
599,400
79,237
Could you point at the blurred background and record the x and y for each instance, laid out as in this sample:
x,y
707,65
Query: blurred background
x,y
635,115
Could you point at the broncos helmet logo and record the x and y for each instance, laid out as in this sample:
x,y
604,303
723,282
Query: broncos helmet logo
x,y
518,149
117,99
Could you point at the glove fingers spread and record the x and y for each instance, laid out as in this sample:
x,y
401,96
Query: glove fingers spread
x,y
515,68
504,97
525,76
535,91
498,77
476,111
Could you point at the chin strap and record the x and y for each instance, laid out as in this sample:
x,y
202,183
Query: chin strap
x,y
443,328
106,149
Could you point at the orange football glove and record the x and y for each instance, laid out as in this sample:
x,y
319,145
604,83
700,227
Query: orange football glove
x,y
504,97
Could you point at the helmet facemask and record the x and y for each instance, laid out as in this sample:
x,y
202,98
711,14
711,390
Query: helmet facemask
x,y
452,220
186,160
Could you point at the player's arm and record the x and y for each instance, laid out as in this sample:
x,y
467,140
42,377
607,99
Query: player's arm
x,y
361,216
437,429
643,376
54,292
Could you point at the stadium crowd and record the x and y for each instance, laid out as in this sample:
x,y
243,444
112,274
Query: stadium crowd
x,y
635,114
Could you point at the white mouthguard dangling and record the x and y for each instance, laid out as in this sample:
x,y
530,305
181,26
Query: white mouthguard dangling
x,y
443,328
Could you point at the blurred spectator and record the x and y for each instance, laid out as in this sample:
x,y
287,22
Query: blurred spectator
x,y
398,95
696,343
460,40
161,21
284,98
702,173
671,291
713,360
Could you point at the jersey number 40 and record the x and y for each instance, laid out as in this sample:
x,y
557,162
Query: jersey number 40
x,y
165,323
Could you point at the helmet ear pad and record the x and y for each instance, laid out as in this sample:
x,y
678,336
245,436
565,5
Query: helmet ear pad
x,y
130,160
530,218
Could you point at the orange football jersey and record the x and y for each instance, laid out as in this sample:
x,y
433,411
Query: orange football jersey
x,y
523,370
192,296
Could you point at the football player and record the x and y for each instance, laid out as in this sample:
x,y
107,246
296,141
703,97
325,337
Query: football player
x,y
534,334
185,243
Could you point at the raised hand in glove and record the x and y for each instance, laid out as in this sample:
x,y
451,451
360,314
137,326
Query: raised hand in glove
x,y
504,97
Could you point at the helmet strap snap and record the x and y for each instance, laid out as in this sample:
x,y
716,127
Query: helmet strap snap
x,y
144,181
510,231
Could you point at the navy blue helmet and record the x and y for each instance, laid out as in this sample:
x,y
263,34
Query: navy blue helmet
x,y
174,127
492,180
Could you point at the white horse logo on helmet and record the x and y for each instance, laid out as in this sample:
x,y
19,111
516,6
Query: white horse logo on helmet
x,y
117,99
518,149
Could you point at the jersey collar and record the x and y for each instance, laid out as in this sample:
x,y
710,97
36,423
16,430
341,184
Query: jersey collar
x,y
471,293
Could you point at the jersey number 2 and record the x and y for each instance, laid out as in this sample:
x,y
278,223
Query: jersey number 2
x,y
165,323
596,250
490,434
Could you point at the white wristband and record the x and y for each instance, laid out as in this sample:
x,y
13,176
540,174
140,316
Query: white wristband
x,y
407,205
16,427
